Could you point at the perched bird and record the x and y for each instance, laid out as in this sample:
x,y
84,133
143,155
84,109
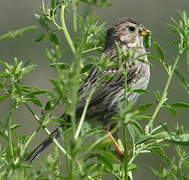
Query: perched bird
x,y
128,34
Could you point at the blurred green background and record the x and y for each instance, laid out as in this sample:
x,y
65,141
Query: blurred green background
x,y
151,13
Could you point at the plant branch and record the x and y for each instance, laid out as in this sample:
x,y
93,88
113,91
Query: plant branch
x,y
164,95
74,7
64,29
84,114
11,150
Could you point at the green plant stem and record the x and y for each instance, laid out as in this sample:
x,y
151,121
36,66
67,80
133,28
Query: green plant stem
x,y
48,133
83,114
125,162
10,137
74,7
92,49
124,125
64,29
26,144
164,95
31,137
74,76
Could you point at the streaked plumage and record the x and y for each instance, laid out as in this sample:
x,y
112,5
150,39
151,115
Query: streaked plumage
x,y
107,95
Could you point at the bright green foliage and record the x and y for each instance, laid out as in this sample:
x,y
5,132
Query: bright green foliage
x,y
86,152
15,33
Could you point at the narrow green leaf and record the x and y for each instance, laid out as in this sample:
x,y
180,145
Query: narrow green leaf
x,y
4,97
157,95
145,62
6,65
43,21
180,140
3,133
35,101
183,81
140,91
154,58
180,104
40,37
139,117
145,107
171,108
16,33
143,139
86,68
18,67
1,85
37,93
173,27
60,65
131,131
106,159
132,167
49,105
159,51
53,38
15,126
138,128
28,69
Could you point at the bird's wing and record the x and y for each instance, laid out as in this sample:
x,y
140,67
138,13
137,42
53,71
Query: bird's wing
x,y
89,81
105,88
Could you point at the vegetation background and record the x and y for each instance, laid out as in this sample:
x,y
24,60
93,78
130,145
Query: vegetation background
x,y
153,14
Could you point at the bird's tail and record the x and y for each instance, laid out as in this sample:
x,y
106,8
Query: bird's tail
x,y
55,134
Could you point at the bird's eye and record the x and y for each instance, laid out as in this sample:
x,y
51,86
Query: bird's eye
x,y
132,29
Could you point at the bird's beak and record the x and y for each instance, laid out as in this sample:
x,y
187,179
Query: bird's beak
x,y
144,32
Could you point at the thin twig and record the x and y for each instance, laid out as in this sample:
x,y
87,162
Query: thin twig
x,y
84,114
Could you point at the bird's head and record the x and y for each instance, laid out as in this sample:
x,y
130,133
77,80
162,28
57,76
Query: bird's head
x,y
126,31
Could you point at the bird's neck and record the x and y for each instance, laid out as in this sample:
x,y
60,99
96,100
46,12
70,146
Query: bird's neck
x,y
111,52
